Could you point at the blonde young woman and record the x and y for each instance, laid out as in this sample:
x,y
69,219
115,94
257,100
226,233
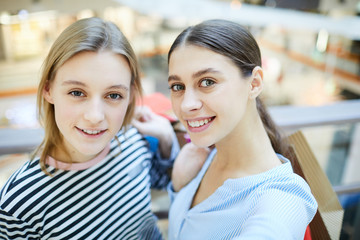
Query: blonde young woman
x,y
91,176
246,189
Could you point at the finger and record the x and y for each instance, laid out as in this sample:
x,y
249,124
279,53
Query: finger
x,y
139,125
140,114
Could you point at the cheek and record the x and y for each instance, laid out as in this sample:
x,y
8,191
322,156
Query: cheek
x,y
65,113
118,114
121,115
175,103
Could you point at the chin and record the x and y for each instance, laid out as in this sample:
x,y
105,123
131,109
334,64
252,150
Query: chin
x,y
202,142
91,151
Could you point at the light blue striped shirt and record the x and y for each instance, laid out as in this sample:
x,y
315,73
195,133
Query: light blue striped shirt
x,y
276,204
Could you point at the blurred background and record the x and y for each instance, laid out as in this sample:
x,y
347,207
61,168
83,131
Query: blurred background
x,y
311,58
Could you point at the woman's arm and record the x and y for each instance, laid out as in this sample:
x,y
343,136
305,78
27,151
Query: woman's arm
x,y
187,165
152,124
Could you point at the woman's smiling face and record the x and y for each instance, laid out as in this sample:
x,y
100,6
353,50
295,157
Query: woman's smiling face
x,y
90,94
208,92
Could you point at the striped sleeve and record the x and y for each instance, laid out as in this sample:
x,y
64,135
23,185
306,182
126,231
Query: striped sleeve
x,y
270,216
160,167
14,228
11,226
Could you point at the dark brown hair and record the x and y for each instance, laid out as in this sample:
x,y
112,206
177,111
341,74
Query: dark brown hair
x,y
235,42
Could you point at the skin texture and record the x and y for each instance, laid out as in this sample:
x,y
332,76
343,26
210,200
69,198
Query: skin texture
x,y
188,164
90,93
149,123
217,106
196,88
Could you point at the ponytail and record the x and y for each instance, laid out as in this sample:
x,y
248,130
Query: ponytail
x,y
278,140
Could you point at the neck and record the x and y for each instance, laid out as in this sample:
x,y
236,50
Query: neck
x,y
248,148
65,155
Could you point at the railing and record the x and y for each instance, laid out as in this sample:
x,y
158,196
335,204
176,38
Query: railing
x,y
289,118
292,118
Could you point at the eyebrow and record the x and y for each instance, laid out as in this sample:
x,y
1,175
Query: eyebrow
x,y
204,71
78,83
196,74
73,82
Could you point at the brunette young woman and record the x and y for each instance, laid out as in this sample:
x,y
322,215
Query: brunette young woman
x,y
246,189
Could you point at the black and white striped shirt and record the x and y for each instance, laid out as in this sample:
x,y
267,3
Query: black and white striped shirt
x,y
109,200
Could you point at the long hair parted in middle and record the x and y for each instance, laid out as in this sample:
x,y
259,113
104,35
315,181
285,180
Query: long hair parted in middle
x,y
91,35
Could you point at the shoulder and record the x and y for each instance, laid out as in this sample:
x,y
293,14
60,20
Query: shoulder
x,y
282,178
290,185
285,189
21,181
128,134
287,200
29,168
129,140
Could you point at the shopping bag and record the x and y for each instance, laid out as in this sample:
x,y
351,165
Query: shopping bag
x,y
328,219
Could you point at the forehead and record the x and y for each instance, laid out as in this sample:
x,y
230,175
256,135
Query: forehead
x,y
96,67
193,58
187,60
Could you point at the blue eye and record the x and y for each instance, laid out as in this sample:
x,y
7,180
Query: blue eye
x,y
206,82
114,96
177,87
76,94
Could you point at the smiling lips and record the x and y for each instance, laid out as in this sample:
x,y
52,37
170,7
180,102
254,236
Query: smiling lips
x,y
92,132
199,123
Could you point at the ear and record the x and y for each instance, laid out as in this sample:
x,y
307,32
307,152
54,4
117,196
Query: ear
x,y
256,84
47,93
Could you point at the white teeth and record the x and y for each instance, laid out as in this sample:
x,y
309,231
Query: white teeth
x,y
91,131
199,123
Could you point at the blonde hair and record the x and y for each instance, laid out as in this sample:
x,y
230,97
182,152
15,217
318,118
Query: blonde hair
x,y
92,35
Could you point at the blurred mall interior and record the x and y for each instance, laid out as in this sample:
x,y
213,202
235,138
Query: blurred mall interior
x,y
311,58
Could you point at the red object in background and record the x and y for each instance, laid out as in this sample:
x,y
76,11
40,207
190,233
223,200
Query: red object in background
x,y
307,234
159,104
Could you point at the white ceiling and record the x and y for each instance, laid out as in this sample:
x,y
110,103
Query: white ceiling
x,y
347,26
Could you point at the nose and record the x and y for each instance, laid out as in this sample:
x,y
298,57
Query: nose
x,y
190,101
94,112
